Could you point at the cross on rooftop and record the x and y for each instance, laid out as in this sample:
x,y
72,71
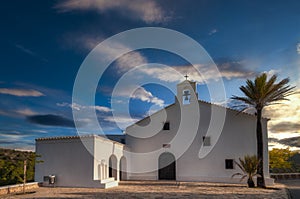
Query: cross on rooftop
x,y
186,76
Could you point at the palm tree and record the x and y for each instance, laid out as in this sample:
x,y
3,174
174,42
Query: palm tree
x,y
249,167
260,93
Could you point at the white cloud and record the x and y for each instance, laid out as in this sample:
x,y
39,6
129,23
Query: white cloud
x,y
148,11
122,121
298,48
113,51
285,117
39,131
25,112
147,96
21,92
124,62
165,74
83,41
207,73
13,137
276,145
272,72
102,109
79,107
130,60
213,31
18,113
139,93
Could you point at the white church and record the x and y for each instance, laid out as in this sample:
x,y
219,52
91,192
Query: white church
x,y
182,142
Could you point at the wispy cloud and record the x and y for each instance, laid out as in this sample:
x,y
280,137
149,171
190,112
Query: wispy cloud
x,y
148,11
21,92
140,93
122,121
298,48
213,31
292,142
25,112
79,107
7,113
147,96
25,50
285,118
228,70
15,139
112,51
285,126
30,52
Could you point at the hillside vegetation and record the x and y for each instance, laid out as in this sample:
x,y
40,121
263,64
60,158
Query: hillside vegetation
x,y
284,161
12,164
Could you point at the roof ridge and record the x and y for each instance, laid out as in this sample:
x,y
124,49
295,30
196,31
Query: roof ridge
x,y
75,137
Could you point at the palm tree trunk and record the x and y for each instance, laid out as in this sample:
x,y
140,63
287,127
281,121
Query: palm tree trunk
x,y
250,182
260,150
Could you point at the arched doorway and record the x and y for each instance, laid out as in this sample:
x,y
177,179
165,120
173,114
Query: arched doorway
x,y
123,168
113,166
166,167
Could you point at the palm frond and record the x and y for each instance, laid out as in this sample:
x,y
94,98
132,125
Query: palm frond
x,y
237,174
242,178
263,91
248,165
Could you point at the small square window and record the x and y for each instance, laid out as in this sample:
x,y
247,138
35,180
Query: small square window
x,y
206,141
229,164
166,126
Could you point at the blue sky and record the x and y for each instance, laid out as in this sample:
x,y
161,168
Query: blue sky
x,y
43,44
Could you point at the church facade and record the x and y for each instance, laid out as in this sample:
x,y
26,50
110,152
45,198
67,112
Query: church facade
x,y
190,140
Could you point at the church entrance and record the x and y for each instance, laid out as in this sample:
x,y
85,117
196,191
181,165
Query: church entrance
x,y
166,167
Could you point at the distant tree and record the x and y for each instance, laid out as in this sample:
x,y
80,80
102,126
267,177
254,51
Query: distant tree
x,y
12,166
280,160
260,93
249,167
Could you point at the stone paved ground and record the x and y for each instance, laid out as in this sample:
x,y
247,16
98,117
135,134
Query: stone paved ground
x,y
293,185
161,190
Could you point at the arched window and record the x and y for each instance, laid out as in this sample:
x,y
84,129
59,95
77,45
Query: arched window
x,y
123,168
113,167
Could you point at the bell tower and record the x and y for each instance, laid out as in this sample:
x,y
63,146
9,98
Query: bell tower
x,y
186,92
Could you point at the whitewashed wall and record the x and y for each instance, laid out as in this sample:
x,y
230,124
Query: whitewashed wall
x,y
67,159
238,138
72,160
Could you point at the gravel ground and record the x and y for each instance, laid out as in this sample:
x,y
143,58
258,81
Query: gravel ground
x,y
160,190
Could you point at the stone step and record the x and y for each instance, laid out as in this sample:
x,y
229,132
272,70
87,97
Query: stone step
x,y
151,182
109,184
107,180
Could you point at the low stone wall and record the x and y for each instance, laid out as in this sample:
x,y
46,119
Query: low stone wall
x,y
285,176
18,188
